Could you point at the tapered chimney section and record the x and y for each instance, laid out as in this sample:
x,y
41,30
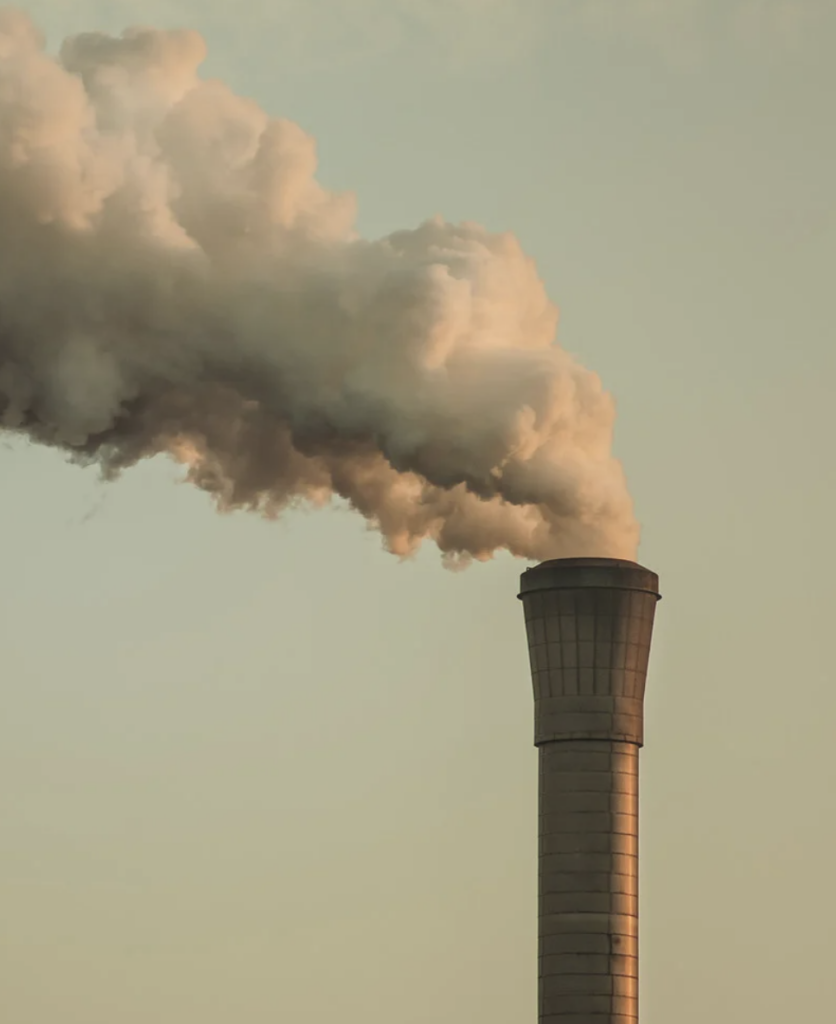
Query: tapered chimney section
x,y
589,623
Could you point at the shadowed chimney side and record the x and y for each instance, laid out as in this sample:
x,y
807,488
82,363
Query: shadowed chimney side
x,y
589,624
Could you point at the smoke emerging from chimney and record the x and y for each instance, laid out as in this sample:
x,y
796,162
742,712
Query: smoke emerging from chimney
x,y
173,279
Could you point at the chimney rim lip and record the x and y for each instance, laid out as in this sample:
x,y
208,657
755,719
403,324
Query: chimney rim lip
x,y
587,561
582,573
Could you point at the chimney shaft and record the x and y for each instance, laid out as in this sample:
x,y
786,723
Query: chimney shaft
x,y
589,624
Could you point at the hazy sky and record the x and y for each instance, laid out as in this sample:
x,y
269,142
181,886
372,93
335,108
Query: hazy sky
x,y
262,772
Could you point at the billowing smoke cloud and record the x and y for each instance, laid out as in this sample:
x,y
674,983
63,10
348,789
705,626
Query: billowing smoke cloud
x,y
173,279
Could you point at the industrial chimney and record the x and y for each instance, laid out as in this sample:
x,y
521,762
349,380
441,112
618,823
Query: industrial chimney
x,y
589,623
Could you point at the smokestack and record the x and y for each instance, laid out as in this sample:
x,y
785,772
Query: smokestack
x,y
589,624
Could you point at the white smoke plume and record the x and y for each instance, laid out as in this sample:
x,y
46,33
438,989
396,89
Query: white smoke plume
x,y
173,279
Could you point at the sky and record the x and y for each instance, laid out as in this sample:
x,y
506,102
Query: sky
x,y
263,771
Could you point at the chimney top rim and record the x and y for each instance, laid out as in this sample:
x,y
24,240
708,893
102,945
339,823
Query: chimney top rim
x,y
583,573
587,562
